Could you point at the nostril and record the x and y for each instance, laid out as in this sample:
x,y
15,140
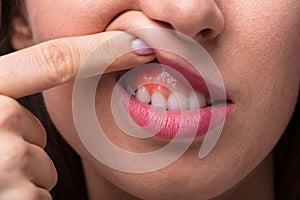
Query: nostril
x,y
206,33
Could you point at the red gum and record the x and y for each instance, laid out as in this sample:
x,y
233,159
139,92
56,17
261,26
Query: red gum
x,y
153,87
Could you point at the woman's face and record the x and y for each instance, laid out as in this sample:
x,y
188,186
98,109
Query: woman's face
x,y
255,45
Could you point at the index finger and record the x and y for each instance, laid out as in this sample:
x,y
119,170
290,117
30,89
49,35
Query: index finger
x,y
55,62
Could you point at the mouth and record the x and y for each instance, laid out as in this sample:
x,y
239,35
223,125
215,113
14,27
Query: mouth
x,y
170,102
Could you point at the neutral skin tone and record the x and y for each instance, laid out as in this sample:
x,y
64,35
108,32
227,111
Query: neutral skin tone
x,y
254,44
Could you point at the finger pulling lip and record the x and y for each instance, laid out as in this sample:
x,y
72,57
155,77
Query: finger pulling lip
x,y
164,123
153,34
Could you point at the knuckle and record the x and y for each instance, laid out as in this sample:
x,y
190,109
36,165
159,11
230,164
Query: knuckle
x,y
14,155
58,60
10,111
34,193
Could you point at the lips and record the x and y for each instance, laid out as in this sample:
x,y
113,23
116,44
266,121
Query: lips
x,y
176,124
177,106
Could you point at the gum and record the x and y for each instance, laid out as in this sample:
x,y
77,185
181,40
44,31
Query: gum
x,y
154,87
156,77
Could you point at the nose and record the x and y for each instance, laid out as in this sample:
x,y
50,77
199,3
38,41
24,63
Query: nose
x,y
199,19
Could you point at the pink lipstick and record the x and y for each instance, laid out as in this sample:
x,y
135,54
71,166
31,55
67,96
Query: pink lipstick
x,y
171,102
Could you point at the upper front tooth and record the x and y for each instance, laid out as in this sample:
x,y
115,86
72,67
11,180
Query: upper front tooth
x,y
158,100
177,101
143,95
197,101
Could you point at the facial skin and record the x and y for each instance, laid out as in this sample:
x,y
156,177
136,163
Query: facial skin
x,y
255,45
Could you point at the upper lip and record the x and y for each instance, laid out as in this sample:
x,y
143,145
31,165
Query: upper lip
x,y
214,93
198,82
195,80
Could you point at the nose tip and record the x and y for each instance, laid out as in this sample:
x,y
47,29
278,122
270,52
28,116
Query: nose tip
x,y
199,19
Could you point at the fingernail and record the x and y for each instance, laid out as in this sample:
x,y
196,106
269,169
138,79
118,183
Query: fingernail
x,y
140,47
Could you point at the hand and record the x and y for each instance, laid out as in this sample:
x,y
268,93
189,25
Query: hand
x,y
26,171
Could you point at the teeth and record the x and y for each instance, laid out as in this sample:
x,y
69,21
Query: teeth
x,y
143,95
178,101
158,100
196,101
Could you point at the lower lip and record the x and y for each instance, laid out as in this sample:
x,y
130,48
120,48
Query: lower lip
x,y
185,124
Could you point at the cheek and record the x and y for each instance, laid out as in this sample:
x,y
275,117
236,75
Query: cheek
x,y
59,105
56,19
260,66
259,49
